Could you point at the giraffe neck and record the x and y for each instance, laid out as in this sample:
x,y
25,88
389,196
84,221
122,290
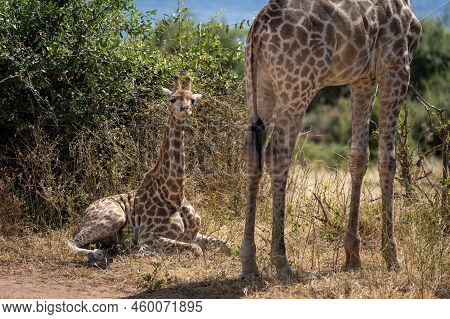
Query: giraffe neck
x,y
167,177
171,158
171,163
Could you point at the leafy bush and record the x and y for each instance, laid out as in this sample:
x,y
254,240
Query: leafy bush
x,y
82,114
433,54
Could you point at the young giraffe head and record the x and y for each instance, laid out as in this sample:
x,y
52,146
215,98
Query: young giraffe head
x,y
181,98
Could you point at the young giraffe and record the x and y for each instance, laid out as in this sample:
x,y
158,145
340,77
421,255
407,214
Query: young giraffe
x,y
297,47
157,212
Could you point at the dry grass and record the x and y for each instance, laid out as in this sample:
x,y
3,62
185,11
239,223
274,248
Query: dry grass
x,y
42,266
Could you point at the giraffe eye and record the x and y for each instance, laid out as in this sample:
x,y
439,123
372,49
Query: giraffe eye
x,y
192,101
173,100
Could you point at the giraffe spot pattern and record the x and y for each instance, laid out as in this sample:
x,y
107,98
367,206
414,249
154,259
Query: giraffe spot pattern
x,y
309,44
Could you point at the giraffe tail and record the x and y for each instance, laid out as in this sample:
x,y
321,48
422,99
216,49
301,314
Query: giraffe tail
x,y
253,44
257,128
258,136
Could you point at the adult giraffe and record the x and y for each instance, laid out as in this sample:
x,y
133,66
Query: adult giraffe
x,y
297,47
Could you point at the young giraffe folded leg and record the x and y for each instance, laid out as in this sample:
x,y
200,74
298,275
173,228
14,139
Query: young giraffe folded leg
x,y
192,223
165,235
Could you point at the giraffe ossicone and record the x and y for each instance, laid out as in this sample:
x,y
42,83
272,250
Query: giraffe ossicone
x,y
157,212
296,47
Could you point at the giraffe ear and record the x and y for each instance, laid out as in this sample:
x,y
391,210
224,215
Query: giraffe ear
x,y
196,97
167,92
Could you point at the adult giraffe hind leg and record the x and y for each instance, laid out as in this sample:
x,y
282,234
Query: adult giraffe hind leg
x,y
256,138
278,158
363,95
255,145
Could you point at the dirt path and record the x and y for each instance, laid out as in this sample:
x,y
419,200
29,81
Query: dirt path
x,y
39,285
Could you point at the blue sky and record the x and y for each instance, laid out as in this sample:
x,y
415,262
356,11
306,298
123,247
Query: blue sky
x,y
237,10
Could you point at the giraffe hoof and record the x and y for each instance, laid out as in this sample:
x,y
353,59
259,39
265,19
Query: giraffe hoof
x,y
95,256
196,250
249,276
91,258
352,265
282,266
393,265
249,267
286,274
352,246
352,262
226,248
390,256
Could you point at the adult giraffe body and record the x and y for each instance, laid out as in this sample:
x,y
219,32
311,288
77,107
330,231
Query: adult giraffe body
x,y
297,47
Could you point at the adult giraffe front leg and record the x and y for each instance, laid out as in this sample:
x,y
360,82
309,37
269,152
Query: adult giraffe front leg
x,y
363,95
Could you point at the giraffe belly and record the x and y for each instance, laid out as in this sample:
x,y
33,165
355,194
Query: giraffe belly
x,y
349,64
